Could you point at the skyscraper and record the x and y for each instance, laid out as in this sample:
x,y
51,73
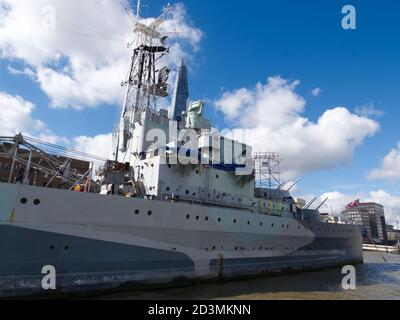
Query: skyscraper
x,y
181,94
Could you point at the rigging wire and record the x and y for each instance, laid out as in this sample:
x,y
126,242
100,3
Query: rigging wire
x,y
86,29
89,35
46,146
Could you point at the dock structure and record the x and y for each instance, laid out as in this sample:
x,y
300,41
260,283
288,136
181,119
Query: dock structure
x,y
378,248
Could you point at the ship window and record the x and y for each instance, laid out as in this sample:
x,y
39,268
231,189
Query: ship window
x,y
217,176
219,219
187,191
197,217
261,224
51,247
168,188
36,202
272,225
197,171
188,217
150,213
66,247
206,218
236,248
248,222
137,211
24,200
213,247
283,226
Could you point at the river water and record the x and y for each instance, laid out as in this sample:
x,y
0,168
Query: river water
x,y
376,279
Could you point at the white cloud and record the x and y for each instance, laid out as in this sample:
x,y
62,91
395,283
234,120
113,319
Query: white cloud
x,y
83,60
26,71
390,168
269,118
368,111
99,146
316,92
16,116
337,201
390,202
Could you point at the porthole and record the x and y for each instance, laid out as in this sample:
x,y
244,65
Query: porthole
x,y
187,191
234,221
206,218
36,202
219,219
51,247
272,225
283,226
137,211
217,176
168,188
236,248
24,200
261,224
248,222
149,213
188,217
66,248
197,217
197,171
213,247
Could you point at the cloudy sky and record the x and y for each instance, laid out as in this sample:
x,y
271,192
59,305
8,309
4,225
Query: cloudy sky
x,y
285,73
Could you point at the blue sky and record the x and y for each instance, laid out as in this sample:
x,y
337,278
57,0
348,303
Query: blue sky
x,y
243,43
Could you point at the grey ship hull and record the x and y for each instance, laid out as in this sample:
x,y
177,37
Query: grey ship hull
x,y
79,235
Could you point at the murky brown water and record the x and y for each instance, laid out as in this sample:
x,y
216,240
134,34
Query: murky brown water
x,y
376,279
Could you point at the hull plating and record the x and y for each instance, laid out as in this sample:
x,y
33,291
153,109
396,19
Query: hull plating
x,y
94,246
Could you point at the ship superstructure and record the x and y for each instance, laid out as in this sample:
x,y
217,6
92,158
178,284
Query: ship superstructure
x,y
178,201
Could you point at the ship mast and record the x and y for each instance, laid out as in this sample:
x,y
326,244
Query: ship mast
x,y
145,83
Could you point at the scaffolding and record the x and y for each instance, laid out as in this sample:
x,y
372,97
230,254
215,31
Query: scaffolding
x,y
267,165
27,160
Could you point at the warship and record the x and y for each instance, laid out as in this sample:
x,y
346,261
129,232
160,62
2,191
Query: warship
x,y
178,202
